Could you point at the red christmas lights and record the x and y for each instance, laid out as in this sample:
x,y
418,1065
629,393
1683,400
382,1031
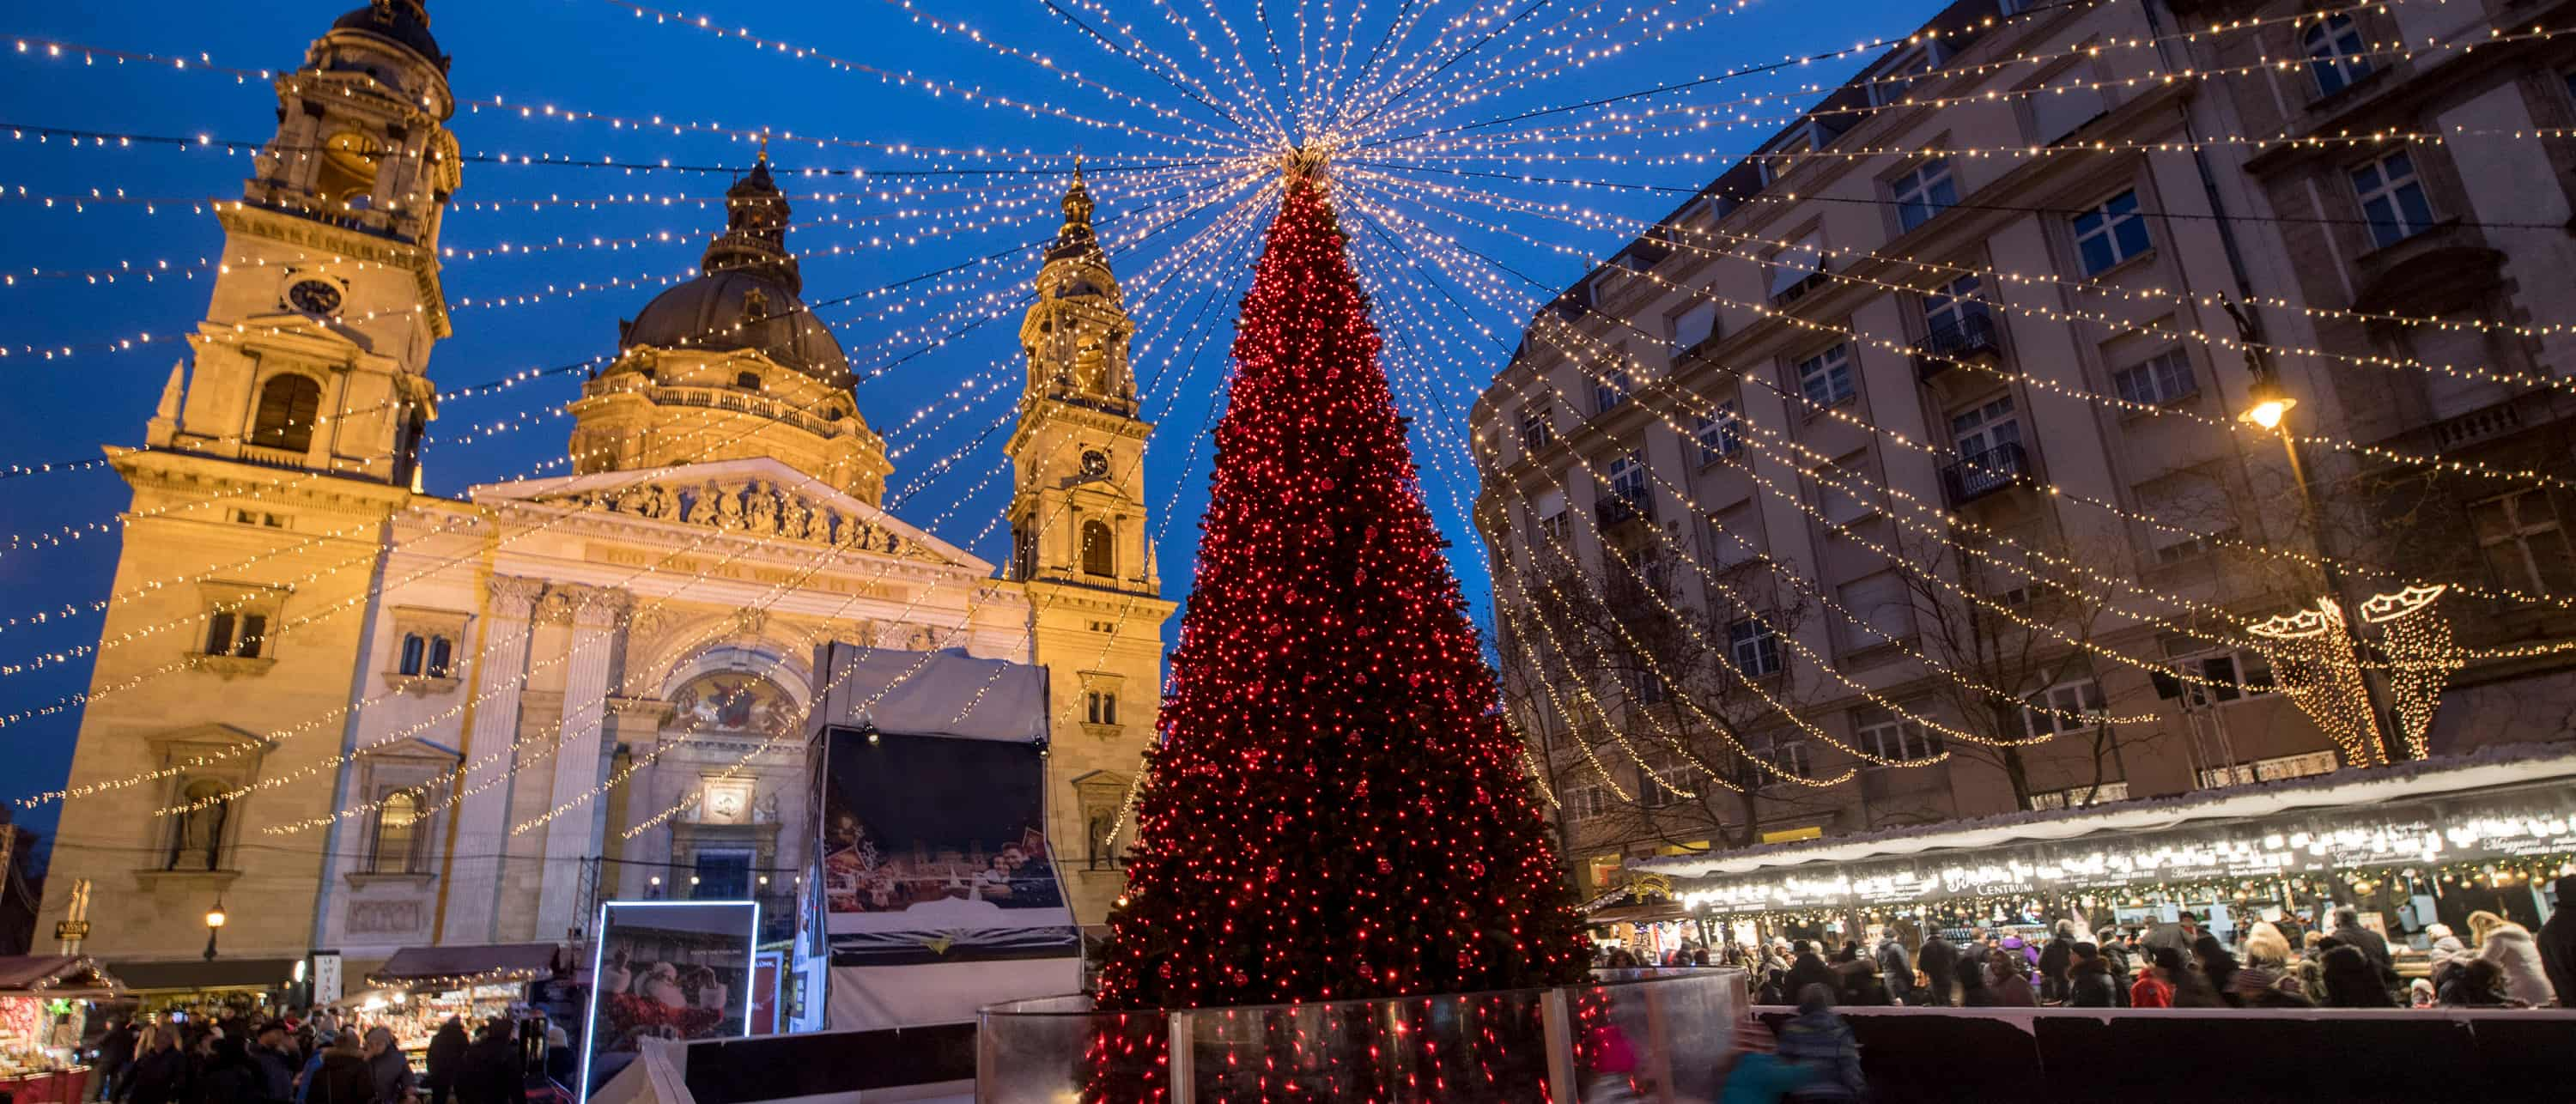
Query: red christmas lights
x,y
1335,810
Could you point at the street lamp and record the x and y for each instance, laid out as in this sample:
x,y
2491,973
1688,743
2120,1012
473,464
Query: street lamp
x,y
2268,408
214,927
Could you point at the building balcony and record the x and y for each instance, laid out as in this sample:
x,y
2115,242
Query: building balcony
x,y
1618,515
1996,469
1973,337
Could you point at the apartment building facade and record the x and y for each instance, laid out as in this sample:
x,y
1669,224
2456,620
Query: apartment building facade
x,y
1899,476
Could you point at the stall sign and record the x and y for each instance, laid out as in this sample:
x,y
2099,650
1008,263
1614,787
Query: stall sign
x,y
71,929
326,977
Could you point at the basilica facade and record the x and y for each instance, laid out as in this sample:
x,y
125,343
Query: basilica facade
x,y
363,717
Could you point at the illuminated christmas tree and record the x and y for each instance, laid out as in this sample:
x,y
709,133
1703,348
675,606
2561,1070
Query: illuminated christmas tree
x,y
1334,809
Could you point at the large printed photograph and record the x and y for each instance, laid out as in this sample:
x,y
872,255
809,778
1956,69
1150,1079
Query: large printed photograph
x,y
935,849
677,970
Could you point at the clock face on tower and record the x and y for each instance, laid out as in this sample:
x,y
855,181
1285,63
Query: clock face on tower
x,y
1095,464
316,297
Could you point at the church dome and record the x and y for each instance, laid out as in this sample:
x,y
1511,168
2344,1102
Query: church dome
x,y
739,309
402,21
746,295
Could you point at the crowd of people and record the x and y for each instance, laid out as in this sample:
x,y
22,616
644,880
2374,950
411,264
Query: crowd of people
x,y
2174,964
325,1056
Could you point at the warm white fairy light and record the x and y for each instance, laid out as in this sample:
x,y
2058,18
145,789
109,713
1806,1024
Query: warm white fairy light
x,y
2421,656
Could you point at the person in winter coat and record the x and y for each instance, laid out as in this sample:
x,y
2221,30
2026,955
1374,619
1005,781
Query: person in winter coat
x,y
273,1065
386,1063
2264,987
1973,990
2557,942
2153,989
2008,978
1774,988
2511,948
160,1073
2191,986
491,1072
446,1054
1896,970
2089,983
2218,966
1859,984
2348,980
2053,960
115,1051
342,1075
2177,934
226,1077
1806,969
2115,953
2266,947
1940,959
1819,1041
2347,927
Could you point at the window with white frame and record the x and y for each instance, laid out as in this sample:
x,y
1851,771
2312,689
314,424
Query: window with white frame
x,y
1922,192
1548,519
1585,801
1720,435
2335,53
1628,480
1662,778
1986,433
1885,735
2110,232
1753,647
1611,389
2224,675
1953,312
1826,378
2278,768
1899,72
2164,378
2065,707
2523,543
1538,427
2077,797
1790,754
2392,199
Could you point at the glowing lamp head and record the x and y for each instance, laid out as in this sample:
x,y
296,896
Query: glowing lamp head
x,y
2271,405
215,915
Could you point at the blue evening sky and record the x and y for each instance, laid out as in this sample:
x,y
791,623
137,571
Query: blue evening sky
x,y
599,56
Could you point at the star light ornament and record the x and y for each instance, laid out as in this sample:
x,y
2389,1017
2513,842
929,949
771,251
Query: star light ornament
x,y
2312,656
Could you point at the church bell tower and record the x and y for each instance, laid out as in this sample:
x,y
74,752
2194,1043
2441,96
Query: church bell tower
x,y
315,348
1082,546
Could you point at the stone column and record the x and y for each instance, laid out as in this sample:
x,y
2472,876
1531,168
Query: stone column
x,y
580,759
483,816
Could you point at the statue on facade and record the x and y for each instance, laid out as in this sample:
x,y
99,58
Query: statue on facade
x,y
764,508
729,509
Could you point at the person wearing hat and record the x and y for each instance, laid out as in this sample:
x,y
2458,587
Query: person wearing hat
x,y
273,1062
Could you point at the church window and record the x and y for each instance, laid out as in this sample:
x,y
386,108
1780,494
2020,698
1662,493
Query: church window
x,y
748,381
1100,707
415,653
231,633
398,835
287,406
1099,547
440,652
426,655
197,835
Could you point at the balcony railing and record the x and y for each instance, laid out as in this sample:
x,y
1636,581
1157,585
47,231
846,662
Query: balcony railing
x,y
1985,473
1611,513
270,457
1972,336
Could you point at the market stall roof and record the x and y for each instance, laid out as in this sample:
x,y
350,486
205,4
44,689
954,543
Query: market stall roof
x,y
2500,767
55,976
1649,912
466,963
188,975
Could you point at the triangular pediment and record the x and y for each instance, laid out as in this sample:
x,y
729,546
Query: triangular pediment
x,y
321,340
757,497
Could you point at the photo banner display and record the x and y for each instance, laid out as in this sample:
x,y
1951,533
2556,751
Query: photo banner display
x,y
935,851
676,970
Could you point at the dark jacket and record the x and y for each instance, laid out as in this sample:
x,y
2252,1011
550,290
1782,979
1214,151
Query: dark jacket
x,y
1940,959
1895,969
491,1073
392,1075
2557,940
160,1077
274,1071
341,1078
2373,947
446,1054
1821,1041
2089,984
2116,957
2052,963
1808,970
116,1048
1857,982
